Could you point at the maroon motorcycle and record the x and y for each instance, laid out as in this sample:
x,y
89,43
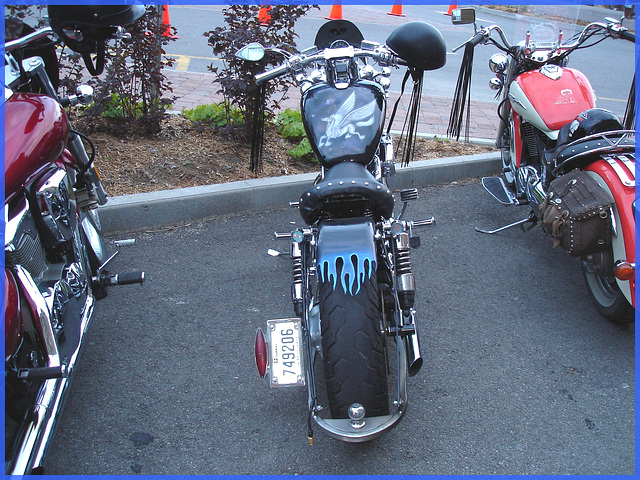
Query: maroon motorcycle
x,y
55,255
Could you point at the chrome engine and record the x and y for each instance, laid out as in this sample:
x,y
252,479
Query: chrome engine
x,y
41,240
22,245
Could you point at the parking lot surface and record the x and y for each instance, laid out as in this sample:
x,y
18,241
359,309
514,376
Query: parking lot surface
x,y
520,374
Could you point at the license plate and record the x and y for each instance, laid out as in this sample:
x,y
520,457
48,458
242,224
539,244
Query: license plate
x,y
285,352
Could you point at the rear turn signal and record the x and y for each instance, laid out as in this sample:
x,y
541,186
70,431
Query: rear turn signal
x,y
261,353
624,270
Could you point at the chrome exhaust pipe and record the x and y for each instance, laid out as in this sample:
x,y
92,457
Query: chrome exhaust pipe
x,y
531,184
412,347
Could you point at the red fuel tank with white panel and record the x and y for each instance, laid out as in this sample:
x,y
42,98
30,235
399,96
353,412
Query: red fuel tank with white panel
x,y
551,96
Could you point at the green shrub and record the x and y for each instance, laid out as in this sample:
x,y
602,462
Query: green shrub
x,y
303,151
116,107
290,126
215,115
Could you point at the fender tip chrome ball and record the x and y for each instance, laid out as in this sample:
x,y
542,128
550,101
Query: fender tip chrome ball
x,y
356,413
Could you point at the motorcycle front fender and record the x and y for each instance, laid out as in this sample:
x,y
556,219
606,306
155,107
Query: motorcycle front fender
x,y
346,253
619,181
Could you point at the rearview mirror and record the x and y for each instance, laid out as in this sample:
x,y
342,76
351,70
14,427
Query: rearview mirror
x,y
463,16
251,52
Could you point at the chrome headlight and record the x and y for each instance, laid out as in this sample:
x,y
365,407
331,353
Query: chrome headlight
x,y
495,83
498,63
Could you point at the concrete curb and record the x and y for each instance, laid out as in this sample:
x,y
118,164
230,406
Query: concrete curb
x,y
179,206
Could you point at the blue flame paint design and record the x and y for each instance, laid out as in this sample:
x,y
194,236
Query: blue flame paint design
x,y
346,254
350,277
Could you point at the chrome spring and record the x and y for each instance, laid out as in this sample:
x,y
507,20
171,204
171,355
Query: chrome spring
x,y
296,284
404,278
403,257
403,262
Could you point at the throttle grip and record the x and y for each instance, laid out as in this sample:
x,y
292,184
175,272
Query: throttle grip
x,y
476,39
627,35
276,72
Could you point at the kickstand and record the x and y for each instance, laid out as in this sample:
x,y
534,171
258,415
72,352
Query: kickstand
x,y
530,219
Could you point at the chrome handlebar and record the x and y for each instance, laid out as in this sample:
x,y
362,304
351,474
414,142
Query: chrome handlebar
x,y
613,27
27,39
296,62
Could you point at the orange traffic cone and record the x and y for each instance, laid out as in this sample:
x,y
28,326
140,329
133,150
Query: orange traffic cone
x,y
264,15
336,12
167,23
451,9
397,11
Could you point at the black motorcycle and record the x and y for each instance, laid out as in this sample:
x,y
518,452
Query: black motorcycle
x,y
353,290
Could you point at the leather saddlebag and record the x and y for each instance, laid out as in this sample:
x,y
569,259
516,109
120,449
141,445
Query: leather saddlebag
x,y
577,214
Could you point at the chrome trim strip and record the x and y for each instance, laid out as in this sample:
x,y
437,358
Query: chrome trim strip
x,y
630,164
43,314
45,413
624,177
11,226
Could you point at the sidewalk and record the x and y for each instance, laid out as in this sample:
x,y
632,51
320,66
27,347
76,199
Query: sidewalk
x,y
193,89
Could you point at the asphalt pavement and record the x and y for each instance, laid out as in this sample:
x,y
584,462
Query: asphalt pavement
x,y
520,374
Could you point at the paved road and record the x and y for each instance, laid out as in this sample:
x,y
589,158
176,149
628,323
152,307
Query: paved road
x,y
193,53
521,376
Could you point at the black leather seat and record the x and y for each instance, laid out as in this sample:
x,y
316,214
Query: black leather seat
x,y
348,179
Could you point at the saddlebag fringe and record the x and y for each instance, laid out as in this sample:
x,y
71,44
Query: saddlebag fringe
x,y
462,97
577,214
257,132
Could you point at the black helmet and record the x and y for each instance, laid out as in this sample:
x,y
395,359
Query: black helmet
x,y
419,44
592,121
84,28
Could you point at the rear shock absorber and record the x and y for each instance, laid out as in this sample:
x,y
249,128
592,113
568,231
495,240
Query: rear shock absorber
x,y
296,285
405,281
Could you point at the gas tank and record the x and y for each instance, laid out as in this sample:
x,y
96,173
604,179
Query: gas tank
x,y
36,131
344,125
551,96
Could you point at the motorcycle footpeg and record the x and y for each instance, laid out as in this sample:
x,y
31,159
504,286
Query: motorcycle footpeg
x,y
498,190
129,278
43,373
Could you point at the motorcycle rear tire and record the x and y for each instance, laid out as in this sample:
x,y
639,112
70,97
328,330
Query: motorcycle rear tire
x,y
353,350
608,299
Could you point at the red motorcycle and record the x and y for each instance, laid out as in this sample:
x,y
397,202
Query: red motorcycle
x,y
572,163
55,254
